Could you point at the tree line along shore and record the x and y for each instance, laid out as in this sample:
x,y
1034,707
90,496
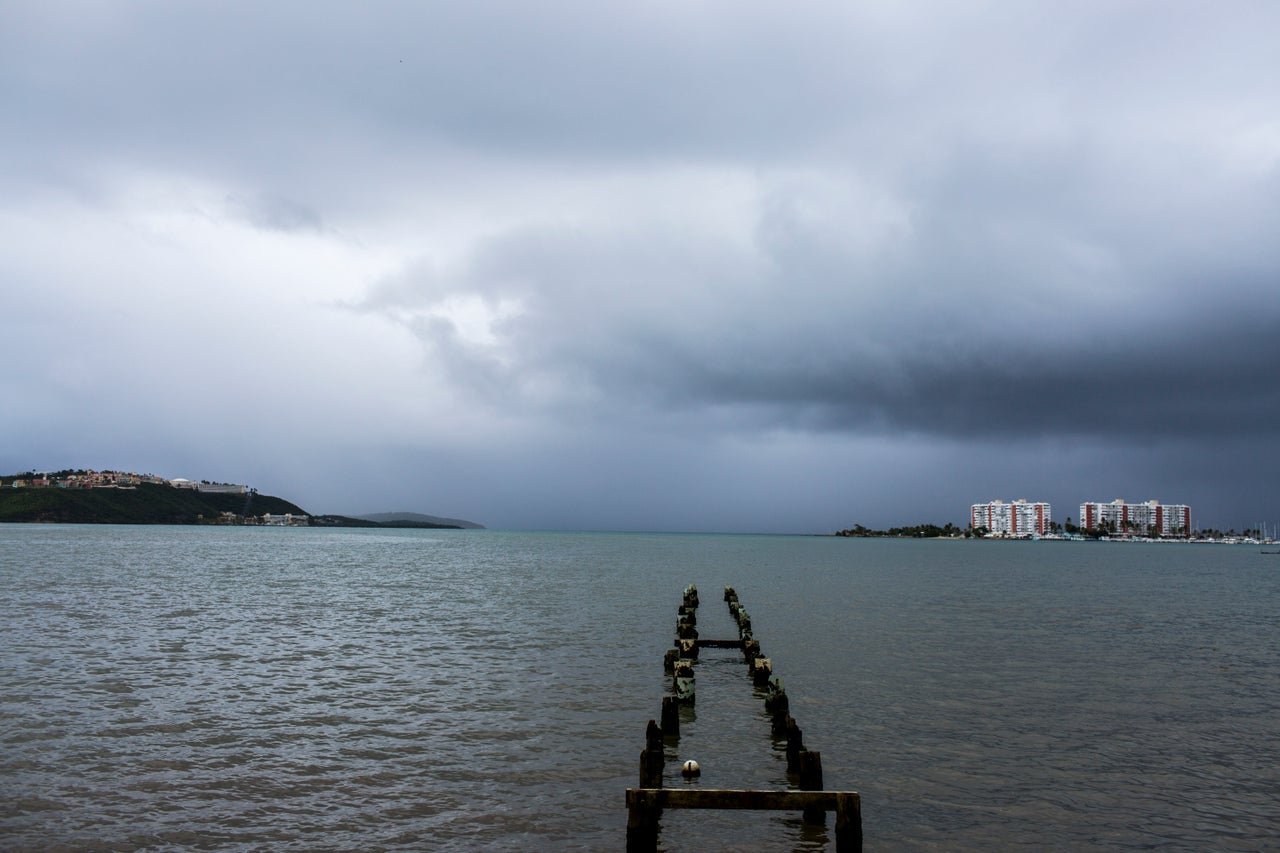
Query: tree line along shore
x,y
144,503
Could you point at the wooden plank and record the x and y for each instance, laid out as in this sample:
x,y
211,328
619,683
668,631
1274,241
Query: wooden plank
x,y
710,798
718,644
645,805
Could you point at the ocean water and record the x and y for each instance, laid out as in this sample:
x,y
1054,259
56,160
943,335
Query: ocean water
x,y
173,688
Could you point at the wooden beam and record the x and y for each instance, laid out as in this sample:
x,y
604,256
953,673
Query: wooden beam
x,y
645,805
710,798
718,644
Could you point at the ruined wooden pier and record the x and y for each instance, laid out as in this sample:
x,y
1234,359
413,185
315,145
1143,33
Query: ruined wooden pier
x,y
646,803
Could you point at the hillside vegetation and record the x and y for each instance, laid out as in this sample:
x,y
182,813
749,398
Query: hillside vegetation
x,y
142,504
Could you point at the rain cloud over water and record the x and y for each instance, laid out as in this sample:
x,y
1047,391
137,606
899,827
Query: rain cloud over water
x,y
682,265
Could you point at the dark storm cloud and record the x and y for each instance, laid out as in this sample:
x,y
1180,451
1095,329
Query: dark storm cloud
x,y
771,244
1007,323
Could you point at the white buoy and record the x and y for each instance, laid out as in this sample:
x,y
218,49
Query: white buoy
x,y
690,769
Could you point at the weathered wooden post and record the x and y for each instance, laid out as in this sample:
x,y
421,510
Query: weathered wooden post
x,y
643,814
811,780
848,823
653,737
650,769
795,745
777,704
653,758
750,650
670,717
760,669
683,683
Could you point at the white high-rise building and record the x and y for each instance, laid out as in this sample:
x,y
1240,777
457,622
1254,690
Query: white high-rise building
x,y
1144,519
1018,518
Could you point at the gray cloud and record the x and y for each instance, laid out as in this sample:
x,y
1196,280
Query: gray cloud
x,y
999,324
276,214
752,250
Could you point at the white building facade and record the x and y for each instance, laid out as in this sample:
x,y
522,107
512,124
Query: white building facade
x,y
1142,519
1017,518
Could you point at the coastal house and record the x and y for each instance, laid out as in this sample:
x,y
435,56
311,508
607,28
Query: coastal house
x,y
209,488
287,519
221,488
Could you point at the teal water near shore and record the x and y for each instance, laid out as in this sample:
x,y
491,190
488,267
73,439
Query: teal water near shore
x,y
302,689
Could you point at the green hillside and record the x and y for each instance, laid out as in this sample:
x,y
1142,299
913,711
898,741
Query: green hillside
x,y
143,504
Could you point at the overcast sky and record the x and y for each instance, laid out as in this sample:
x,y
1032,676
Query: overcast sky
x,y
731,266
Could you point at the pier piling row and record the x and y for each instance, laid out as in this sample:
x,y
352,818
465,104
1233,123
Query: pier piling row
x,y
646,803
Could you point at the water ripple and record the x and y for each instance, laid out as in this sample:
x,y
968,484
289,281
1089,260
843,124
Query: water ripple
x,y
170,688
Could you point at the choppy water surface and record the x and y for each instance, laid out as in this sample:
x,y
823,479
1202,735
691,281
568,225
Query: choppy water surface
x,y
280,689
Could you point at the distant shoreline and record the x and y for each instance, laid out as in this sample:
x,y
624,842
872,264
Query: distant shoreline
x,y
84,496
1132,540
